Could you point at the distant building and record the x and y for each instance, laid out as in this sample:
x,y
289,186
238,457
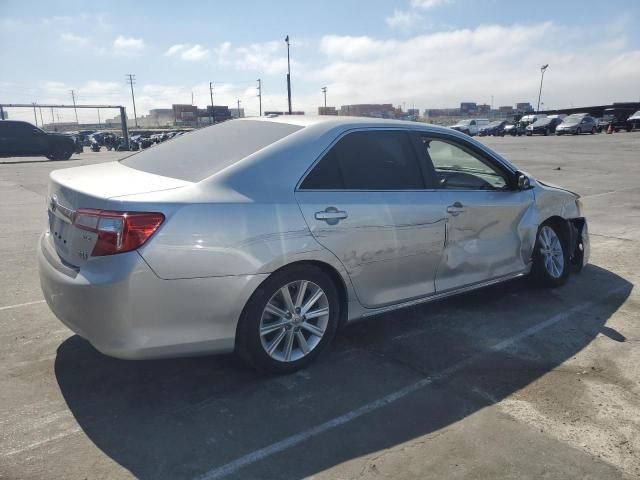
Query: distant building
x,y
413,112
484,109
467,108
524,107
441,112
327,111
236,112
376,110
506,110
183,113
219,114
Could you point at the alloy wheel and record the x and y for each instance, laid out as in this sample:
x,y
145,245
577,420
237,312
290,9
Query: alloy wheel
x,y
294,321
551,250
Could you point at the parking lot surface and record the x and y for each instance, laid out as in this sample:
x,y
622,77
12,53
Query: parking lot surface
x,y
511,381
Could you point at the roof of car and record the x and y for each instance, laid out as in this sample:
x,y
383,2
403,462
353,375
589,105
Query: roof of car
x,y
337,121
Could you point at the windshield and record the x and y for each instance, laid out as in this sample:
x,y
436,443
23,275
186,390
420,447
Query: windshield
x,y
542,121
494,124
205,152
572,120
464,122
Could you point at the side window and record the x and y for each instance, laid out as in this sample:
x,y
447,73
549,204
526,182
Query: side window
x,y
457,168
372,160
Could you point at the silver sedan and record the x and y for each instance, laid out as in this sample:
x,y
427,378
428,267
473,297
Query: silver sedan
x,y
265,236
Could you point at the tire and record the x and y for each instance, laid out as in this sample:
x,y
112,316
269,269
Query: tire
x,y
550,256
578,131
593,130
280,349
546,132
60,154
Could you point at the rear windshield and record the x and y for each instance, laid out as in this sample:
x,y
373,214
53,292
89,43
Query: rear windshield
x,y
200,154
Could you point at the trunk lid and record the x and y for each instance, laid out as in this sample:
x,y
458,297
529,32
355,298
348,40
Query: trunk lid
x,y
97,187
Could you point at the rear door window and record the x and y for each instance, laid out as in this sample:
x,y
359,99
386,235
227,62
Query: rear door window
x,y
202,153
368,160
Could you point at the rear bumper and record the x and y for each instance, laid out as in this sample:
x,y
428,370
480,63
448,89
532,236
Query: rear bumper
x,y
119,305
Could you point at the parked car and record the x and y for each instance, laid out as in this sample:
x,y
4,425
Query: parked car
x,y
494,128
152,257
543,126
633,121
616,118
514,129
470,127
531,118
577,124
22,139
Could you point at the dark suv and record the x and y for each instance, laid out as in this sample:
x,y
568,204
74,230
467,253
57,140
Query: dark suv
x,y
22,139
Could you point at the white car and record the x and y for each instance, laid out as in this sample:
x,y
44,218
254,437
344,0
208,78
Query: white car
x,y
471,126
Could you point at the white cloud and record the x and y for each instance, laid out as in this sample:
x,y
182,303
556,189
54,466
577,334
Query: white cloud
x,y
189,52
197,52
404,20
74,40
128,45
444,68
426,4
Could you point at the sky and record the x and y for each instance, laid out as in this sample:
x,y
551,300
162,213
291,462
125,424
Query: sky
x,y
414,53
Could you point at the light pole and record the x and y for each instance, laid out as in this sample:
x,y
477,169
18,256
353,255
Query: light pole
x,y
324,91
288,74
260,95
213,118
238,108
542,70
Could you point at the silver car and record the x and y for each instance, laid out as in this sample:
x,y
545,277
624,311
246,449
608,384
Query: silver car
x,y
265,236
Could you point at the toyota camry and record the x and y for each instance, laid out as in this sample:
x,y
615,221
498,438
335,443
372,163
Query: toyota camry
x,y
265,236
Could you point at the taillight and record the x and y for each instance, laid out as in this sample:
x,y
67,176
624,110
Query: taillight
x,y
117,231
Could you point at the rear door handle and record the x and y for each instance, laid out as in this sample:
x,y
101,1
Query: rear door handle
x,y
331,215
456,209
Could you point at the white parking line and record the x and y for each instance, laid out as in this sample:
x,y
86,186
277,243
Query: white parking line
x,y
18,305
257,455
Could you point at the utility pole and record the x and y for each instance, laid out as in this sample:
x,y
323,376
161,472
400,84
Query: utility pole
x,y
260,96
324,91
99,123
288,74
192,98
132,79
73,97
542,70
213,118
41,120
238,108
34,113
53,119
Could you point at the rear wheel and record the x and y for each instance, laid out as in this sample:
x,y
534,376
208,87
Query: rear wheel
x,y
550,256
578,131
546,132
593,130
60,154
288,320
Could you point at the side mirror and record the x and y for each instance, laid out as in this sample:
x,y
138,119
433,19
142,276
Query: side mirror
x,y
523,182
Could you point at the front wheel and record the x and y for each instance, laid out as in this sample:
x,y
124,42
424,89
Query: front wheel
x,y
578,131
550,256
288,320
593,130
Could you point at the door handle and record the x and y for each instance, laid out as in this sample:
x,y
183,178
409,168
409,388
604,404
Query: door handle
x,y
331,215
456,209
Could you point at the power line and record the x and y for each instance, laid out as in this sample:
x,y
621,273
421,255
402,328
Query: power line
x,y
132,79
